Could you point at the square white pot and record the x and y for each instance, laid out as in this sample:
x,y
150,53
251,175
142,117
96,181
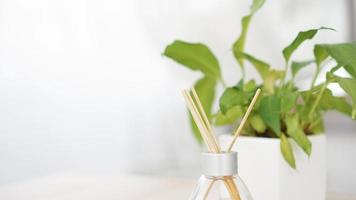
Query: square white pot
x,y
268,176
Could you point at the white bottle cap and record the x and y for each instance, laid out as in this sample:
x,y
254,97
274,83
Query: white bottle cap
x,y
219,164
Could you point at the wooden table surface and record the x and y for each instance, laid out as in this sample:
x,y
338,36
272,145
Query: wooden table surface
x,y
74,186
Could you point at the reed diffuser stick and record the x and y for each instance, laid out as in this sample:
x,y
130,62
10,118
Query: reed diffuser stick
x,y
208,137
208,190
244,119
205,118
197,120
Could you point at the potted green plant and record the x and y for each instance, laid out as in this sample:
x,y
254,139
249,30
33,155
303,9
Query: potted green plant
x,y
285,118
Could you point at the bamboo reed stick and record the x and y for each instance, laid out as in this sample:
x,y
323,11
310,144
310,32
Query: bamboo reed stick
x,y
209,138
209,188
205,118
244,119
197,120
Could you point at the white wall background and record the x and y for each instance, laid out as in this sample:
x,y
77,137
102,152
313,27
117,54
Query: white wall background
x,y
83,85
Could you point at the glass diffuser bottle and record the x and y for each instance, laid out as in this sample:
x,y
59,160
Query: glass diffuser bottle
x,y
220,174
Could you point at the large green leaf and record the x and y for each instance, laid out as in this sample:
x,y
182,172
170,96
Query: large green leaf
x,y
239,45
301,37
195,56
295,131
231,97
195,130
349,86
269,110
288,100
344,54
296,66
205,89
287,151
229,117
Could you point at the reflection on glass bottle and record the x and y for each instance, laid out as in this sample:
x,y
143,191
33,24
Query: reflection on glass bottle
x,y
220,176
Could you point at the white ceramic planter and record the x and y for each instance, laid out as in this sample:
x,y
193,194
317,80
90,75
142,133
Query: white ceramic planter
x,y
269,177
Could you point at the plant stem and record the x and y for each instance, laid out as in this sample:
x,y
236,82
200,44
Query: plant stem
x,y
243,72
291,84
285,74
312,125
315,76
313,83
317,100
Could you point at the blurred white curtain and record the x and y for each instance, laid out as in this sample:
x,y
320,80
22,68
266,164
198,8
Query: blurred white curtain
x,y
84,85
83,89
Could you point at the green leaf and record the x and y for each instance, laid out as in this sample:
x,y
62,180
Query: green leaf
x,y
195,130
340,104
320,54
256,5
344,54
269,76
231,97
273,76
205,89
287,151
269,110
261,67
295,131
288,100
230,117
330,102
349,86
250,86
334,69
257,123
296,66
301,37
195,56
239,45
